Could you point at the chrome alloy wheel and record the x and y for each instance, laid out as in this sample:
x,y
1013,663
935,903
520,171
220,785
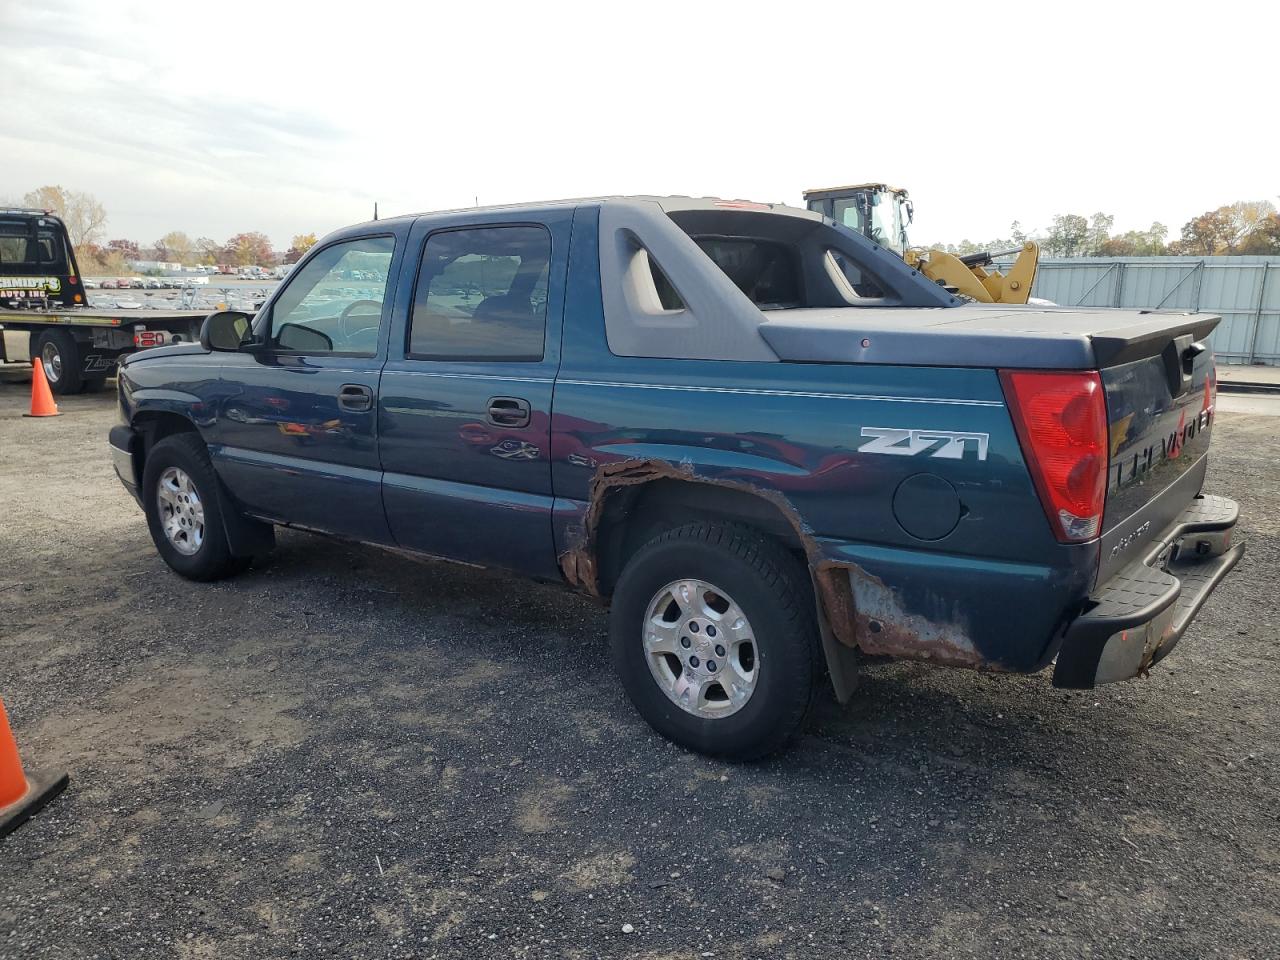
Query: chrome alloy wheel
x,y
181,511
51,359
700,649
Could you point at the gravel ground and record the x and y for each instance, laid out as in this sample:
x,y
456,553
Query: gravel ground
x,y
347,754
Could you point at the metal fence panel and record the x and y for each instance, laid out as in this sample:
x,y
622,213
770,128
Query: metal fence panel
x,y
1245,291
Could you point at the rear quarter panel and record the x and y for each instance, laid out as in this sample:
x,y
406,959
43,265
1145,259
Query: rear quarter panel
x,y
991,591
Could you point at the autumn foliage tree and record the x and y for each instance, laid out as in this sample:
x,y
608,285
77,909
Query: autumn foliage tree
x,y
176,246
1244,227
1265,237
298,248
126,248
208,251
249,249
1136,243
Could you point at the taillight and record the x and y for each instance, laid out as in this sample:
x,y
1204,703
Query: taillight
x,y
1061,419
148,338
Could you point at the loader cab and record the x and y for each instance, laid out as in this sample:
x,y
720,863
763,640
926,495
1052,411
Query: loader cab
x,y
37,265
879,212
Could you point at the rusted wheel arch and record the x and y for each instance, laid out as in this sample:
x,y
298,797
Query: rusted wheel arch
x,y
633,500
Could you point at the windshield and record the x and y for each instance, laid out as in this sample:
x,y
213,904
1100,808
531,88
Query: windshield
x,y
885,227
886,224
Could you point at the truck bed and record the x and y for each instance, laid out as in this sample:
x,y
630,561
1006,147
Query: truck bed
x,y
94,318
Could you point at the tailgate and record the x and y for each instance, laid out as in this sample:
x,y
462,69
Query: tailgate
x,y
1160,414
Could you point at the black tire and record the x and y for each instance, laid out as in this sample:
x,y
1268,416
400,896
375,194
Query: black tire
x,y
771,589
67,375
213,559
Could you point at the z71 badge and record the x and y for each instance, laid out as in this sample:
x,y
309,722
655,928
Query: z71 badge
x,y
943,444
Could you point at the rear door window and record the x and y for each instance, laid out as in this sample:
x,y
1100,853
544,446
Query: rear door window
x,y
481,294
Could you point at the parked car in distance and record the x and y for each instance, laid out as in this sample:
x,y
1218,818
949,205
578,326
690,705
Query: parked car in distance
x,y
90,283
108,284
772,448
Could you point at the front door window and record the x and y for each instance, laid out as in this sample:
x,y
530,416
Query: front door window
x,y
333,304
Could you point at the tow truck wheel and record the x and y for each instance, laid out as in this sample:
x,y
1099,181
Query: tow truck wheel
x,y
180,496
713,635
59,354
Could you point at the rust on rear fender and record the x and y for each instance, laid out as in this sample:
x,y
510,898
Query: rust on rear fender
x,y
865,613
861,611
578,563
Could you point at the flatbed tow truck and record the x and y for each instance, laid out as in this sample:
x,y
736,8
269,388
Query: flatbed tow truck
x,y
43,294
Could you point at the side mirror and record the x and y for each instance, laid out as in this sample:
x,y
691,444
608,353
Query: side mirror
x,y
225,330
304,339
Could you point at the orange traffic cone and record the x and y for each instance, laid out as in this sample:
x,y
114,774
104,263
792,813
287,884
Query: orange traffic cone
x,y
21,797
42,404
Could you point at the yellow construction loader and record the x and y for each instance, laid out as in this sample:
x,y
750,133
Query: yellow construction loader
x,y
882,213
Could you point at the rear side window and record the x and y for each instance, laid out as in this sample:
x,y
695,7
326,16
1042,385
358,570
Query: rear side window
x,y
482,295
848,212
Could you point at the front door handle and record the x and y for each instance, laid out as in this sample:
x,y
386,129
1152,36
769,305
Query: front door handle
x,y
508,412
355,397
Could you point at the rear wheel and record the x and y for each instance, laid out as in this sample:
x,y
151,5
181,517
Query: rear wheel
x,y
59,354
713,635
180,496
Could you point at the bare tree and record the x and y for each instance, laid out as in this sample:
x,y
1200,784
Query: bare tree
x,y
84,216
176,245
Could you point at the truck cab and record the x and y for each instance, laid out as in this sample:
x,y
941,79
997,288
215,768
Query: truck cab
x,y
37,265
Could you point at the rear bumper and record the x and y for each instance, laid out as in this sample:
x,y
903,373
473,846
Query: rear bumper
x,y
123,442
1138,616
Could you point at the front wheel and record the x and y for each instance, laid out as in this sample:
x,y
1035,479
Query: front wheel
x,y
180,497
714,638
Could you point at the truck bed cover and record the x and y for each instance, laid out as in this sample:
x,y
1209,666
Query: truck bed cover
x,y
977,335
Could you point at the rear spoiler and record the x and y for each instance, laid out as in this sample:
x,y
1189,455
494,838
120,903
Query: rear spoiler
x,y
1141,340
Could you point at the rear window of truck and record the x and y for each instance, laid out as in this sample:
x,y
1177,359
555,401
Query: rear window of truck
x,y
767,272
23,246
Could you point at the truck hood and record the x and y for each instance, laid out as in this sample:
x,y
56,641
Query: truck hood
x,y
156,353
978,335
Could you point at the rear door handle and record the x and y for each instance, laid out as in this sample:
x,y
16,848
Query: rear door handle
x,y
508,412
355,397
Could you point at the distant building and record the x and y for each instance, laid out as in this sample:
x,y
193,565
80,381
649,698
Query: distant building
x,y
161,266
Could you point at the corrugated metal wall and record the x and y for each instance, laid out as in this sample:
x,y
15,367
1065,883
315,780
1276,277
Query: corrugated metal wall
x,y
1244,290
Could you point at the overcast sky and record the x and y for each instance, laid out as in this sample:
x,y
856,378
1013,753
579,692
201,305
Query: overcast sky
x,y
215,118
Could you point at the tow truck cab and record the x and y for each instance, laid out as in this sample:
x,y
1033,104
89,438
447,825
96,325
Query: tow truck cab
x,y
37,264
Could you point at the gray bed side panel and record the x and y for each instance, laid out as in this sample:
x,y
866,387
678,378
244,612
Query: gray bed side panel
x,y
719,322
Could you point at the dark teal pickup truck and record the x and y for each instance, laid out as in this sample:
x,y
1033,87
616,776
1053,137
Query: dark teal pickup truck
x,y
768,444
